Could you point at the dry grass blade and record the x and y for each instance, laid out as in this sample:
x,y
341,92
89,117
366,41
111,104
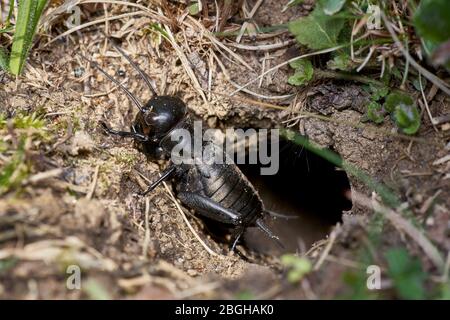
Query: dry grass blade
x,y
91,23
172,197
446,269
427,74
262,47
94,183
185,62
286,63
125,3
261,96
247,17
51,251
101,94
211,252
199,289
70,4
258,95
327,249
401,224
147,228
305,114
217,43
43,176
441,160
427,107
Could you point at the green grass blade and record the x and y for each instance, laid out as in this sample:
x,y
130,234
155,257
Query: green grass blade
x,y
4,59
10,13
6,29
27,19
385,193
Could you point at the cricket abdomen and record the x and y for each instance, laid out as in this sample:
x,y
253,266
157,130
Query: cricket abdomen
x,y
228,186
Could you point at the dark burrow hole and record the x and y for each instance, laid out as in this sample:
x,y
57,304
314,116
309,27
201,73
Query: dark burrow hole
x,y
307,187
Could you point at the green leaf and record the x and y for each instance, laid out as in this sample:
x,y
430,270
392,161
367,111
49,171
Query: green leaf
x,y
406,274
4,59
10,13
245,295
159,30
15,171
24,121
29,121
304,72
331,7
375,112
445,291
378,92
357,283
395,99
17,168
407,118
28,16
405,112
194,9
318,30
432,22
96,291
6,29
340,62
298,267
396,73
299,63
7,264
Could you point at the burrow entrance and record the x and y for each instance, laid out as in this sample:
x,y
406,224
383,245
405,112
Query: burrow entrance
x,y
307,188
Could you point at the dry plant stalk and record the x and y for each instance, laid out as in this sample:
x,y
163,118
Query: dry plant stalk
x,y
402,225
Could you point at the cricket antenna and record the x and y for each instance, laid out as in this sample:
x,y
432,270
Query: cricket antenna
x,y
260,224
236,236
274,214
129,94
143,75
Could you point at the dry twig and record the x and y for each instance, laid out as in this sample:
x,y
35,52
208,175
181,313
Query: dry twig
x,y
401,224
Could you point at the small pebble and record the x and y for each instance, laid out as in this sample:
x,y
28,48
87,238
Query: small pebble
x,y
78,72
192,272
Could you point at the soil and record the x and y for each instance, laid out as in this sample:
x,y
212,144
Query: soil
x,y
90,215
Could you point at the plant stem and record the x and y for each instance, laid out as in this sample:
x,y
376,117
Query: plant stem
x,y
327,74
387,195
10,13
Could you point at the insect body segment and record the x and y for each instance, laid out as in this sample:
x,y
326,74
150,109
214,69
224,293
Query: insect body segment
x,y
220,192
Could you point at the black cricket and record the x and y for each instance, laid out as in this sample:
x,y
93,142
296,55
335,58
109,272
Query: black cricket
x,y
220,192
